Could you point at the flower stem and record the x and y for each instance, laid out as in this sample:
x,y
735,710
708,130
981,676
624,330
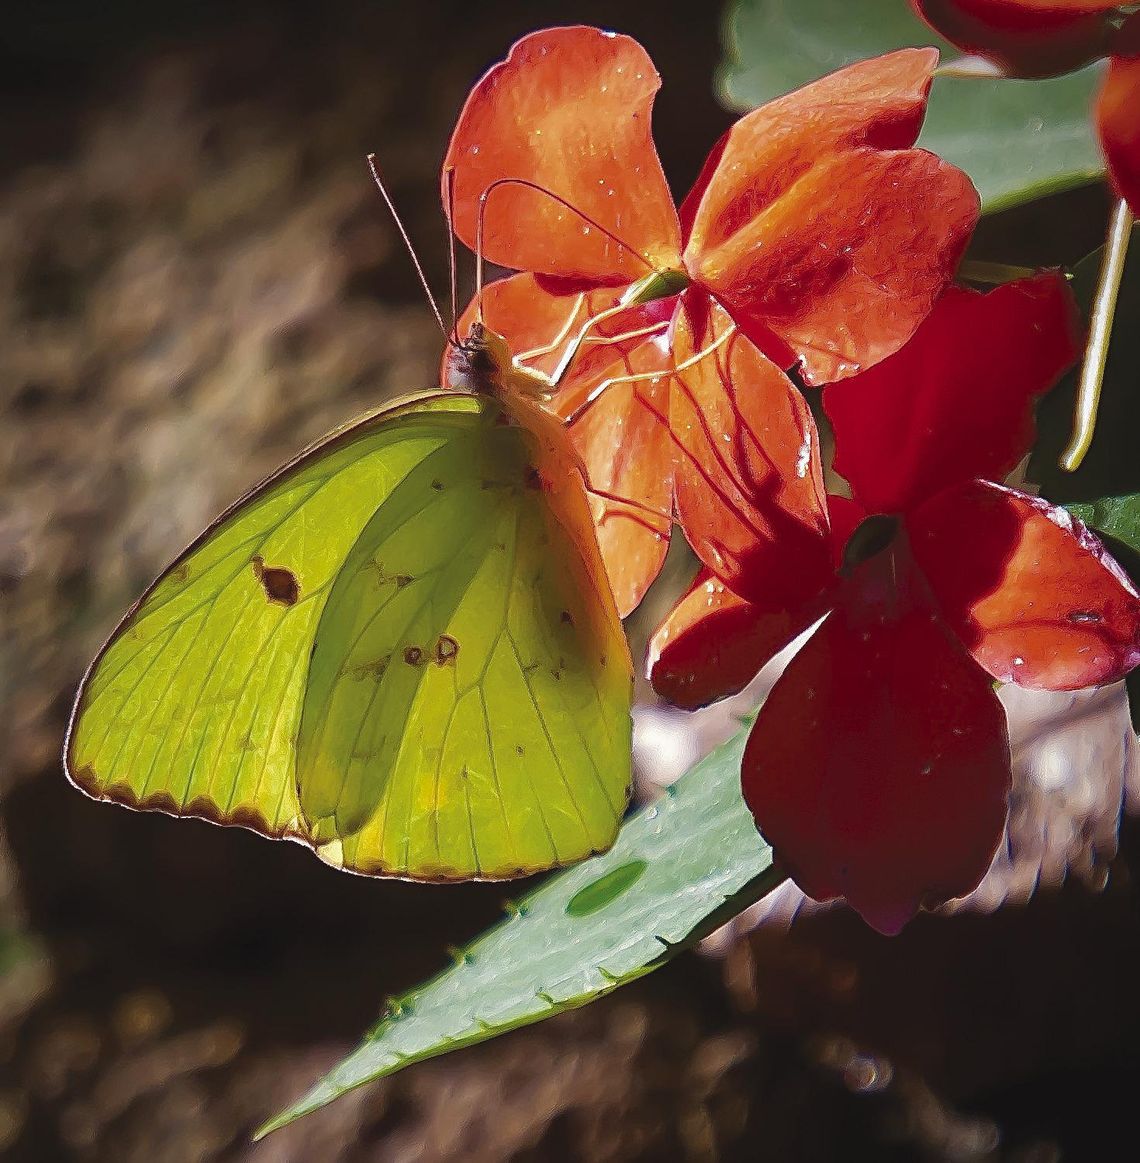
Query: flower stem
x,y
976,270
971,68
1100,332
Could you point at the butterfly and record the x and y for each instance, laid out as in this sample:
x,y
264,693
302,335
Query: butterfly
x,y
400,649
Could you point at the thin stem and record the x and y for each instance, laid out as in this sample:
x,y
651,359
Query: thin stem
x,y
992,273
1100,333
971,68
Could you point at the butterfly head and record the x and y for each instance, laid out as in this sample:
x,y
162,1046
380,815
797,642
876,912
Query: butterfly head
x,y
482,363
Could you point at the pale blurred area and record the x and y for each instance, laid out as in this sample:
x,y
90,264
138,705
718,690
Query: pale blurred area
x,y
196,278
1076,768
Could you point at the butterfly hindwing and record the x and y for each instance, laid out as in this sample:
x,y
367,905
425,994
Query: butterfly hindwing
x,y
208,700
468,704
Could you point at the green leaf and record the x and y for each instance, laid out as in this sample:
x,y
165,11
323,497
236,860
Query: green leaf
x,y
680,867
1018,140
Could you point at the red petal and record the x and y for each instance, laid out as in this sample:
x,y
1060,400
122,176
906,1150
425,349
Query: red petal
x,y
749,486
1118,115
1031,38
569,110
623,437
957,401
879,766
1029,590
816,272
713,643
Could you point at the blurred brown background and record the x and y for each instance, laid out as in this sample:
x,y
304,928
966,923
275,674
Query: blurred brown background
x,y
196,278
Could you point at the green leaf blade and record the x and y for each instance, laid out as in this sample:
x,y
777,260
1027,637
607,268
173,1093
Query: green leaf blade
x,y
1017,140
679,868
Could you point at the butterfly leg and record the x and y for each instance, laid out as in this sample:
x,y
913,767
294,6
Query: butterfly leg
x,y
647,377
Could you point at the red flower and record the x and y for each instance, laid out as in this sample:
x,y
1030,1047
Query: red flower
x,y
816,226
879,765
1041,38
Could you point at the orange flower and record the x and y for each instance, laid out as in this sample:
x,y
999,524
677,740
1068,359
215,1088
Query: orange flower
x,y
814,225
1041,38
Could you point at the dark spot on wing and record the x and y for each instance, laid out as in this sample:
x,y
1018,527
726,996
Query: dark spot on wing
x,y
86,779
403,579
180,573
602,660
162,801
445,650
158,801
247,817
437,485
204,809
532,478
280,585
567,618
413,655
520,749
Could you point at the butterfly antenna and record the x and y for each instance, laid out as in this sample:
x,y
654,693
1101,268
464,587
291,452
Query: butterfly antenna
x,y
593,222
372,166
479,254
449,181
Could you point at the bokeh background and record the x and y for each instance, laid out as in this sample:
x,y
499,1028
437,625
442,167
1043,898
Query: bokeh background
x,y
196,278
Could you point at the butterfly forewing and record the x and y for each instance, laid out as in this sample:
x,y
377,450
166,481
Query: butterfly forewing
x,y
387,606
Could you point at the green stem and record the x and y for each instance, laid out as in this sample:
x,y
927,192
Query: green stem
x,y
971,68
975,270
1100,332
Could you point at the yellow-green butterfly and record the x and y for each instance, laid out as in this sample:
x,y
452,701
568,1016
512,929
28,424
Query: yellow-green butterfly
x,y
400,649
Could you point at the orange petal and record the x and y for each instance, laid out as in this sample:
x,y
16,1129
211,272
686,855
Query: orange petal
x,y
623,437
816,274
957,401
1029,38
713,643
1118,115
879,766
623,440
532,313
569,110
879,102
749,486
1032,594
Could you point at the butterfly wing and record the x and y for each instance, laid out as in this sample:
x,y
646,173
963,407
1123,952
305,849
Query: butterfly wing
x,y
229,691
